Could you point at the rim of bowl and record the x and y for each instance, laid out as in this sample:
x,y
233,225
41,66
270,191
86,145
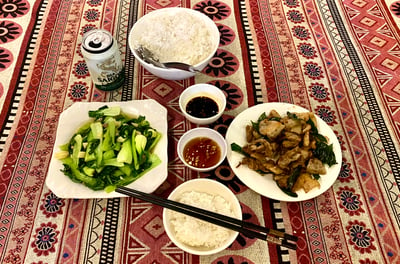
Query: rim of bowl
x,y
162,10
235,205
220,97
201,132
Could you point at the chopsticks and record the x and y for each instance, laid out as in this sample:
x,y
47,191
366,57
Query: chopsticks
x,y
249,229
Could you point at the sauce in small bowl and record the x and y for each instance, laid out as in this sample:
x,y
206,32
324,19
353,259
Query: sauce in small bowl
x,y
202,152
202,103
202,149
202,107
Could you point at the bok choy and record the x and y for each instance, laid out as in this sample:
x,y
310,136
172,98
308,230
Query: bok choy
x,y
111,150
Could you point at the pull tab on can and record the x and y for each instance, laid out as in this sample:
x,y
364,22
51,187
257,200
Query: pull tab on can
x,y
103,59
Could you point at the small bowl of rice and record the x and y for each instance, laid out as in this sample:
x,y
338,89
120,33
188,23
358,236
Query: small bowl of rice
x,y
196,236
175,34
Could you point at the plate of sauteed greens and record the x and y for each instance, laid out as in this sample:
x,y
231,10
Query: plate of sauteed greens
x,y
100,146
283,151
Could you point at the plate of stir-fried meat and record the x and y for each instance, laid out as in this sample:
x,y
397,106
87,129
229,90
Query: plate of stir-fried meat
x,y
283,151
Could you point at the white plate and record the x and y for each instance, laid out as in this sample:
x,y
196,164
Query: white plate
x,y
265,185
77,115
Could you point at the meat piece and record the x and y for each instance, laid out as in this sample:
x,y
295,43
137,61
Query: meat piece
x,y
306,182
270,149
303,115
291,140
288,144
281,180
249,133
271,129
315,166
288,157
305,153
270,166
306,128
257,145
253,164
273,114
262,145
304,157
292,136
258,156
293,125
306,139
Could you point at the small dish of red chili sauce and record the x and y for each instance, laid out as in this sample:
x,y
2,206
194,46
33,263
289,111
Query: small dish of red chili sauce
x,y
202,152
202,149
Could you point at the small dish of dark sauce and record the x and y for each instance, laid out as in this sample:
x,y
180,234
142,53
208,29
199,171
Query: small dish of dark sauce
x,y
202,107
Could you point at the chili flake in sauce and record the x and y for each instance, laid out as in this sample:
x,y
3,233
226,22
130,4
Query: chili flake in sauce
x,y
202,152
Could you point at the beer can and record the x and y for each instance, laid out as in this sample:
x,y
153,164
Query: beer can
x,y
103,59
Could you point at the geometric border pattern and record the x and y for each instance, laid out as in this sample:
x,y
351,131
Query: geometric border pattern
x,y
256,84
374,110
16,97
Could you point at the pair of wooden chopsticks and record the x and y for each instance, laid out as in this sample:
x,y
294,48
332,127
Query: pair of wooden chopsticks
x,y
248,229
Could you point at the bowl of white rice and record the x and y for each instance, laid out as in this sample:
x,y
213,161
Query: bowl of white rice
x,y
197,236
175,34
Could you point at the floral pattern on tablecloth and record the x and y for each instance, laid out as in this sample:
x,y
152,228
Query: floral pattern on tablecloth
x,y
14,18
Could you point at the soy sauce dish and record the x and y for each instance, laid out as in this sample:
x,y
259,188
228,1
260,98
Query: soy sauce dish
x,y
202,103
202,149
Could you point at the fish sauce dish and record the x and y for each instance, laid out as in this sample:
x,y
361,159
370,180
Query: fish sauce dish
x,y
202,149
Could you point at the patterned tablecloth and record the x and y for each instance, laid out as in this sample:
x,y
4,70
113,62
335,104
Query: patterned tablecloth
x,y
339,59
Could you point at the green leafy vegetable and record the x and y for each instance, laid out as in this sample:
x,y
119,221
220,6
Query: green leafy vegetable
x,y
125,154
262,117
325,153
316,176
315,133
287,191
105,111
292,116
291,182
256,125
293,177
235,147
111,150
77,143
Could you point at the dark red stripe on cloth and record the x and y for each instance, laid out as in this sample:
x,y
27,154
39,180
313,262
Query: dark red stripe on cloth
x,y
9,98
14,172
24,120
265,56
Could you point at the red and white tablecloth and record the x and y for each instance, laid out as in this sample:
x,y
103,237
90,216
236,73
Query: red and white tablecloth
x,y
339,59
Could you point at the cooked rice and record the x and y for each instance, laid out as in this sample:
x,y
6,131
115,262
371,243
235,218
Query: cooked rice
x,y
176,37
198,233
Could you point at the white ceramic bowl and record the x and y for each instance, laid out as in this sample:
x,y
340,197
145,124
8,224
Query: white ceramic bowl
x,y
211,187
207,90
142,34
202,132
